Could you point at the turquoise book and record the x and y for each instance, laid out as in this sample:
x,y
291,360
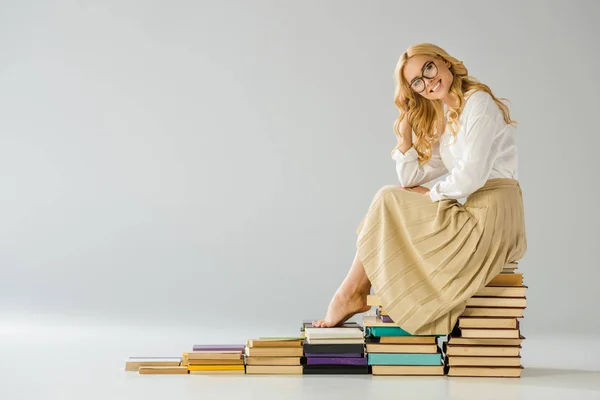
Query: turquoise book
x,y
389,331
404,359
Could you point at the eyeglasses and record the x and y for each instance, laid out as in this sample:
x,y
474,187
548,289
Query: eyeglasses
x,y
429,71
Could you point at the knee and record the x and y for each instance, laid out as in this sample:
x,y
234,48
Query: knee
x,y
387,189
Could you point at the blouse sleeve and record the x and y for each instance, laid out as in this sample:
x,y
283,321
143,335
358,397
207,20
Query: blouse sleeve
x,y
475,166
410,173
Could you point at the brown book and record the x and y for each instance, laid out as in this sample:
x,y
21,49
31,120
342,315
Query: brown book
x,y
493,312
502,291
484,361
274,343
520,302
216,362
273,360
407,369
197,355
514,279
485,341
499,372
274,369
163,370
490,333
402,348
407,339
492,322
275,351
483,351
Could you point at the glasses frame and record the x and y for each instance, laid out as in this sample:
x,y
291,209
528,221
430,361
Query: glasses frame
x,y
424,76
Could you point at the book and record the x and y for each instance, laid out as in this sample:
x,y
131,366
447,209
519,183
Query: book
x,y
170,370
404,359
483,351
407,369
493,312
336,361
402,348
371,320
192,355
485,341
502,291
484,361
514,279
335,341
348,324
215,362
274,351
218,347
490,333
497,302
388,331
500,372
494,322
274,343
333,333
334,348
219,372
216,367
336,369
405,339
134,363
347,355
273,360
274,369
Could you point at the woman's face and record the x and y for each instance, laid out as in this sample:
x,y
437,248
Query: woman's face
x,y
424,73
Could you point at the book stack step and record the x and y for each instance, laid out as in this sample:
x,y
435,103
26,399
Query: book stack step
x,y
274,355
226,359
486,341
393,351
155,365
339,350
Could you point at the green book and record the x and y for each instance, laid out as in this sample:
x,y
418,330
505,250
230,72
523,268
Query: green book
x,y
379,331
404,359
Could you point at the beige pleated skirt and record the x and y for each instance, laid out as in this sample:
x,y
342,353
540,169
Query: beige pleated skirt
x,y
425,259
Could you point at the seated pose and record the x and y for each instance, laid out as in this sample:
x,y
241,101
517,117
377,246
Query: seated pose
x,y
422,251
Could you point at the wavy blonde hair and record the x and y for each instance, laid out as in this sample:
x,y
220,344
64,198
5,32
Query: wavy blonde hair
x,y
427,116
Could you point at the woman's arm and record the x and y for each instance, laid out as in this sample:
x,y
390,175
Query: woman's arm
x,y
475,165
410,173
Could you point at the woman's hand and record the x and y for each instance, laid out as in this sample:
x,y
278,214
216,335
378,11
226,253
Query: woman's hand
x,y
418,189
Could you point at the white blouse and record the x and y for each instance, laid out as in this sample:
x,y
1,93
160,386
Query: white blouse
x,y
485,148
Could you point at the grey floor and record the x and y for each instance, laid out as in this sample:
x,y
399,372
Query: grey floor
x,y
83,360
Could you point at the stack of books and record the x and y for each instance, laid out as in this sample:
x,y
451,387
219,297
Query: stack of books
x,y
487,338
274,355
339,350
155,365
215,359
393,351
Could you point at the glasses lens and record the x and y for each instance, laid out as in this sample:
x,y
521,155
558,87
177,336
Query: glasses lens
x,y
418,85
430,70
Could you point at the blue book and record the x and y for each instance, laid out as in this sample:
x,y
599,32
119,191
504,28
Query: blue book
x,y
404,359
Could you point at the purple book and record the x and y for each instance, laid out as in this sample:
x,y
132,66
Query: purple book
x,y
336,361
218,347
386,318
330,355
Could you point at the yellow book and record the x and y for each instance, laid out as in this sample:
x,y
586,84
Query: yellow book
x,y
215,367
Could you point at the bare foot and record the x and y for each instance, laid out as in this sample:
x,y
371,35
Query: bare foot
x,y
341,308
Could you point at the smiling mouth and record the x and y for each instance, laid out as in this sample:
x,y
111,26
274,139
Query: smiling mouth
x,y
435,86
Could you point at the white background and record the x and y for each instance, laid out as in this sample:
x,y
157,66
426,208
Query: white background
x,y
202,166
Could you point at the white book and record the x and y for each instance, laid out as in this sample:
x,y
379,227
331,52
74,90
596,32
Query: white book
x,y
333,333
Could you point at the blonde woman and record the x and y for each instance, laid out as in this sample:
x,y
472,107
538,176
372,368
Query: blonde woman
x,y
421,251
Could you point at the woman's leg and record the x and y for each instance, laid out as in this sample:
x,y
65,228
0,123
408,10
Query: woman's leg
x,y
349,299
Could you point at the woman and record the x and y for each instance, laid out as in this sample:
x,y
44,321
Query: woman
x,y
423,252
